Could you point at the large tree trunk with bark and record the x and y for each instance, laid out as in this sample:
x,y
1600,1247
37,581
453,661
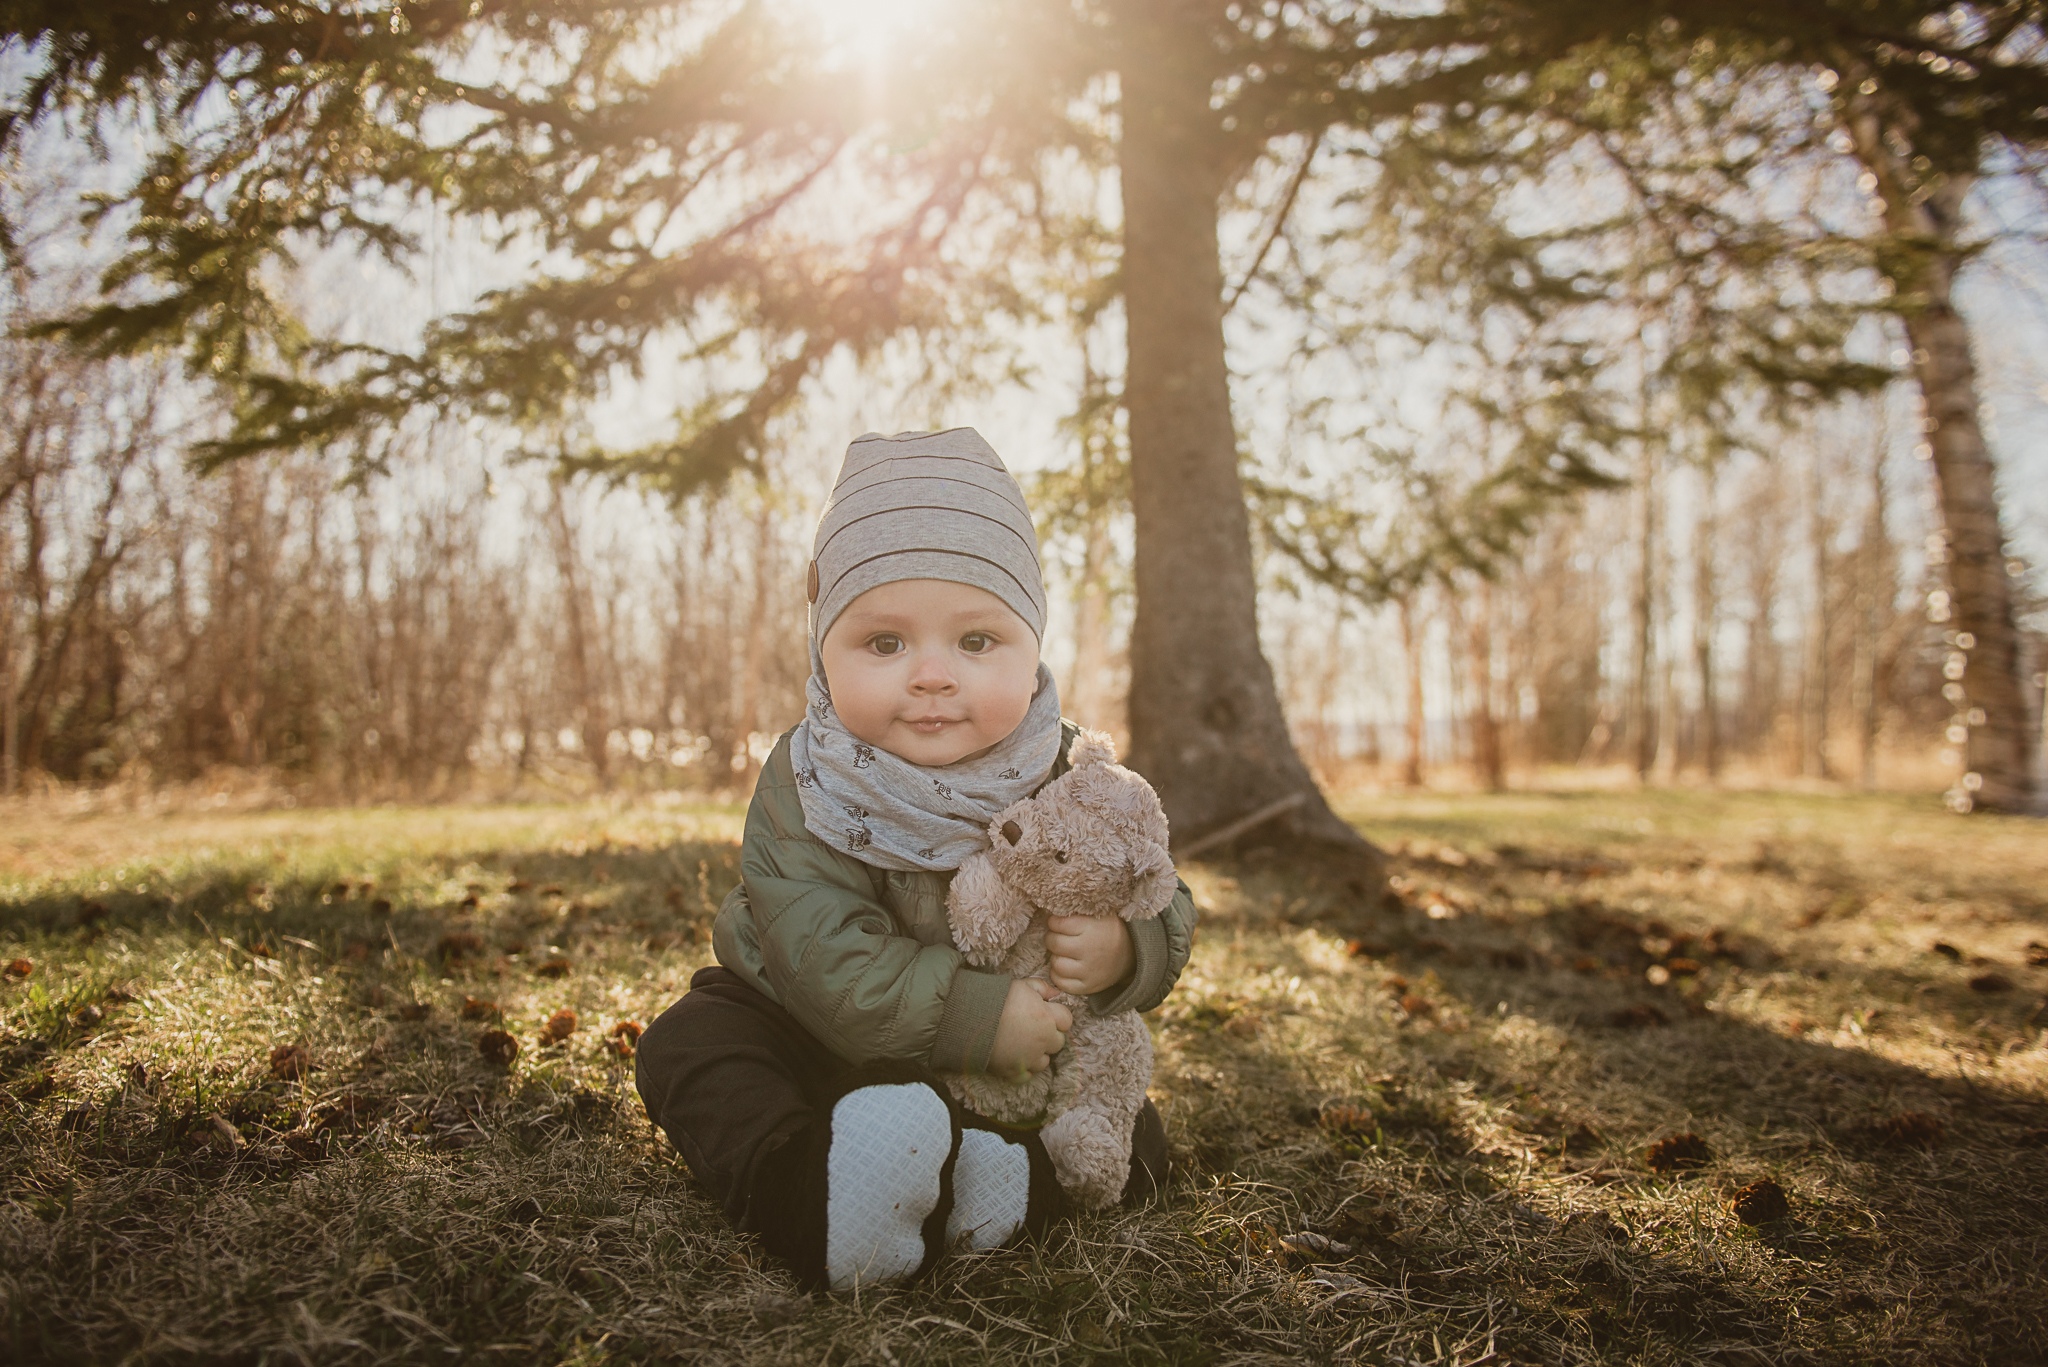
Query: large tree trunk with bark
x,y
1206,723
1925,222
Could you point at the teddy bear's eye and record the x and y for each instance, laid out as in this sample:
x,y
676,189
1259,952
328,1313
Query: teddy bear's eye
x,y
1059,856
1012,832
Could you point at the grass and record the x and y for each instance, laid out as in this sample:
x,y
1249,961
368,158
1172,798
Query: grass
x,y
1452,1098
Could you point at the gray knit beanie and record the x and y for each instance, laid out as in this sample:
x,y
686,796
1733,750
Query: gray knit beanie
x,y
925,505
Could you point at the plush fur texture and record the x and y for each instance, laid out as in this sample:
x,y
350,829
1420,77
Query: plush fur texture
x,y
1093,842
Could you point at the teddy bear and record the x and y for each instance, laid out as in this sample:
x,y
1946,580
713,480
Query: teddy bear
x,y
1093,842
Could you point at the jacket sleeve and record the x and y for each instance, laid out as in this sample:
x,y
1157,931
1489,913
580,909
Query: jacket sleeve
x,y
830,955
1162,945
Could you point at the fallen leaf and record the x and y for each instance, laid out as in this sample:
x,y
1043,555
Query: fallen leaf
x,y
1308,1244
1682,968
1760,1203
1347,1119
623,1038
1947,951
553,968
1678,1151
552,890
19,969
1340,1282
1414,1005
518,885
1911,1127
1991,982
2037,954
460,944
559,1026
498,1047
290,1061
477,1009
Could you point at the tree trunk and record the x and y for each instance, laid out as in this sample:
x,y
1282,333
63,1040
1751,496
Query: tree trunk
x,y
1641,714
753,657
1411,657
1873,604
1926,220
1486,752
1206,722
591,721
1815,684
1705,617
1088,697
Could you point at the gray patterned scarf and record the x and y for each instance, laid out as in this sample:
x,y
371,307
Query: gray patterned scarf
x,y
886,811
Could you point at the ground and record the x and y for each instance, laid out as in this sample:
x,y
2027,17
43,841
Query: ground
x,y
244,1115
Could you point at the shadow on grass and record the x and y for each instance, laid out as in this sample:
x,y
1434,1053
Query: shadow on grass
x,y
1919,1194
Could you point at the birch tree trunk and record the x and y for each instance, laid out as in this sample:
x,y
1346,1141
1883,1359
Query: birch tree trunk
x,y
1206,723
1923,216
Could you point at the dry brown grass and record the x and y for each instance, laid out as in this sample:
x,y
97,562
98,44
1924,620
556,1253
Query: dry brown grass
x,y
1414,1134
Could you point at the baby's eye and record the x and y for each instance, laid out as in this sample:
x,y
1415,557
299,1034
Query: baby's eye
x,y
886,644
975,642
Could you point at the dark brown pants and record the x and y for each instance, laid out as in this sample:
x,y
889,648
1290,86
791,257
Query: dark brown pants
x,y
742,1090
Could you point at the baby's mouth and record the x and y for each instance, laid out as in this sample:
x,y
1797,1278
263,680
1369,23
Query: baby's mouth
x,y
931,726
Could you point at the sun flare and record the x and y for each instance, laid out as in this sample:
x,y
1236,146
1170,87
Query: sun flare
x,y
863,32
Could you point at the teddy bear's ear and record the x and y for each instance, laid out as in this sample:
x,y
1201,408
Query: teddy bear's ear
x,y
1091,747
1154,884
986,916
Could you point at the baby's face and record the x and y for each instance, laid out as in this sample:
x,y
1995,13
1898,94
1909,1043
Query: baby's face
x,y
930,670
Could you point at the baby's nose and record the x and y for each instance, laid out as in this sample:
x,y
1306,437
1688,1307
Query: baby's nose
x,y
932,676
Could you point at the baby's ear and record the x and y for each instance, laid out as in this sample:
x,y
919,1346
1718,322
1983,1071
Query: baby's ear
x,y
1091,747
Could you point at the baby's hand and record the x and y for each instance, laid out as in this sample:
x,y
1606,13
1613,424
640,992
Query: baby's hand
x,y
1089,954
1031,1031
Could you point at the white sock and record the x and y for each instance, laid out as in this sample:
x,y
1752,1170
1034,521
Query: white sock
x,y
991,1190
882,1181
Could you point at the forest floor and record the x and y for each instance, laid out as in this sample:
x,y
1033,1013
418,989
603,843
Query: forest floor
x,y
244,1115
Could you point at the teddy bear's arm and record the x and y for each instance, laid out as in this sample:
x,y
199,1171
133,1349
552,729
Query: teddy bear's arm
x,y
987,915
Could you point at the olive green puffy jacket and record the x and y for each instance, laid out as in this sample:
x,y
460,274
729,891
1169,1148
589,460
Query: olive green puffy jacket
x,y
863,957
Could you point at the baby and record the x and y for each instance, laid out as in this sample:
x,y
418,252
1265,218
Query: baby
x,y
796,1076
